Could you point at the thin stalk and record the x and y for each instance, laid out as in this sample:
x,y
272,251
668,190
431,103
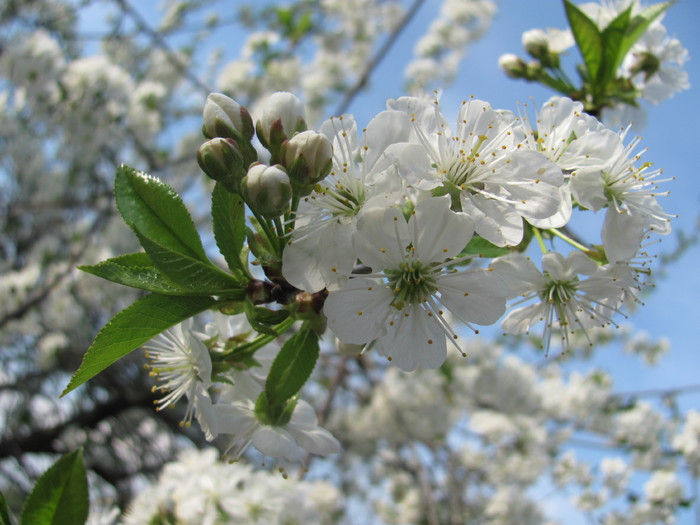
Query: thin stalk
x,y
540,241
280,232
260,341
269,232
568,239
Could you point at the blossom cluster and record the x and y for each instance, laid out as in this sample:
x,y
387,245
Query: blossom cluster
x,y
652,69
414,201
385,236
199,489
183,361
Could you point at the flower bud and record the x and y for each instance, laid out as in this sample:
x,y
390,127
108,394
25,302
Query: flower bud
x,y
282,116
222,161
535,43
224,117
512,65
309,157
267,190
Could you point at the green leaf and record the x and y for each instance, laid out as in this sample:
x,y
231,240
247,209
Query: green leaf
x,y
5,516
480,246
588,39
640,23
228,216
292,366
136,270
153,209
261,319
60,495
132,327
202,278
613,37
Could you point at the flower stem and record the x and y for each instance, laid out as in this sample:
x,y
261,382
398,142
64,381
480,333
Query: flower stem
x,y
538,235
269,232
568,239
256,344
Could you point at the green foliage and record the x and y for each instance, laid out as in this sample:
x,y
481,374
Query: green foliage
x,y
60,496
5,517
165,229
640,23
603,51
202,278
292,366
588,39
228,216
480,246
154,211
138,271
132,327
261,319
612,37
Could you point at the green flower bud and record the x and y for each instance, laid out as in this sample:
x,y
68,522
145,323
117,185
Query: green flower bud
x,y
282,115
224,117
513,66
267,190
309,157
539,45
221,160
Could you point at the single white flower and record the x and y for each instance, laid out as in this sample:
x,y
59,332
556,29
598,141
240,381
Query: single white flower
x,y
182,364
569,295
482,161
398,309
630,194
290,441
320,253
656,63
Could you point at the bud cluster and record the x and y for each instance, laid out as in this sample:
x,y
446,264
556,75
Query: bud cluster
x,y
299,159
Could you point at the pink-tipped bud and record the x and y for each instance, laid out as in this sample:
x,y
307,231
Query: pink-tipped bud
x,y
282,116
222,161
267,190
224,117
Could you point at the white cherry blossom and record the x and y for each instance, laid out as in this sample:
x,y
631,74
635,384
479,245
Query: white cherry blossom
x,y
630,194
182,363
399,308
320,253
481,162
571,294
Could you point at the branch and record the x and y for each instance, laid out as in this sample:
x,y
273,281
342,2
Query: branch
x,y
42,440
160,42
383,51
660,391
39,295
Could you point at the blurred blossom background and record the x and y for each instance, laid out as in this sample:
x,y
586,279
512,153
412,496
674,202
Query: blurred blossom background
x,y
86,85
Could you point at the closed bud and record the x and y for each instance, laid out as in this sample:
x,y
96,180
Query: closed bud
x,y
267,190
535,43
545,46
222,161
309,157
224,117
282,116
512,65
